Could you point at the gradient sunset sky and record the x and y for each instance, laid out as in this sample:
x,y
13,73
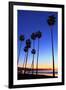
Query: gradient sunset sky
x,y
32,21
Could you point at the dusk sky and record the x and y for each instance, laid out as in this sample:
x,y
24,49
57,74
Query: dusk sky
x,y
32,21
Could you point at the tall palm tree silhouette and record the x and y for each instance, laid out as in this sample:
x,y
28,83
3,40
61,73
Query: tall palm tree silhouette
x,y
33,37
28,45
51,21
21,38
33,52
38,35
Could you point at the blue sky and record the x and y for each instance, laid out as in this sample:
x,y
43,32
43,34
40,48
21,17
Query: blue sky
x,y
32,21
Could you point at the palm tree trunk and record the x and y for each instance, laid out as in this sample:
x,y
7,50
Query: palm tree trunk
x,y
33,64
52,53
37,58
19,54
26,62
33,56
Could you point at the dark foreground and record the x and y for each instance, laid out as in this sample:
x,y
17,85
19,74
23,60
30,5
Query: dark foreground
x,y
31,76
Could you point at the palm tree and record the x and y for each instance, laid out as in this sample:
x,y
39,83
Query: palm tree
x,y
51,21
33,52
28,45
33,37
38,35
21,38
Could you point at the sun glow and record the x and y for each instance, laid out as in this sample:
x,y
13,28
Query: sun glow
x,y
41,66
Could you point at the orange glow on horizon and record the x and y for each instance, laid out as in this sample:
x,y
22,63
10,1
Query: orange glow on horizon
x,y
41,66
